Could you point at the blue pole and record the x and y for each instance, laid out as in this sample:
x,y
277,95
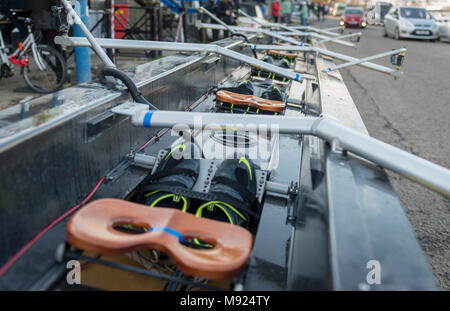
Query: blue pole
x,y
82,57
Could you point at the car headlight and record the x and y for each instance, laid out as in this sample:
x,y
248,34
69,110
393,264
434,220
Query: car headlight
x,y
406,24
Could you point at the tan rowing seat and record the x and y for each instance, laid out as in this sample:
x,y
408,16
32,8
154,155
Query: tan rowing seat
x,y
92,228
280,53
250,100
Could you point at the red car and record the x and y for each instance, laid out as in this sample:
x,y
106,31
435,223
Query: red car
x,y
353,17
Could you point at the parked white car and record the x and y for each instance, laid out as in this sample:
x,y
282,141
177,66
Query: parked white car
x,y
410,22
442,19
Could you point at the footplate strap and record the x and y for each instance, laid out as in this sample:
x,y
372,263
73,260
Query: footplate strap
x,y
206,197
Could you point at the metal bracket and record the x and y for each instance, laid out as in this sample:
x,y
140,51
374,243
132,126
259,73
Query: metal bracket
x,y
210,62
117,171
161,154
398,59
261,186
336,146
293,190
129,108
99,124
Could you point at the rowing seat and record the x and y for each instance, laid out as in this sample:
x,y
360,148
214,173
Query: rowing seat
x,y
255,102
94,228
280,54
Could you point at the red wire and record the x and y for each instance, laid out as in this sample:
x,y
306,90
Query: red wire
x,y
86,265
56,221
40,234
145,145
152,139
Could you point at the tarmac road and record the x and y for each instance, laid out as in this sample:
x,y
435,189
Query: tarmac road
x,y
412,113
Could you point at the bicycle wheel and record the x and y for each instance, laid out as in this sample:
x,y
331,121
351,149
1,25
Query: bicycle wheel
x,y
52,77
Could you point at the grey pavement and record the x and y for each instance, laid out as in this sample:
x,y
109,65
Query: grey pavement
x,y
412,113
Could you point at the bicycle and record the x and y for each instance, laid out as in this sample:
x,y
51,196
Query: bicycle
x,y
42,66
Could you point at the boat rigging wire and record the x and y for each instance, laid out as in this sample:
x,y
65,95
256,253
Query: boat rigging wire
x,y
50,226
59,219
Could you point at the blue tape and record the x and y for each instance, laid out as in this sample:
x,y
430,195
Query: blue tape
x,y
147,119
169,231
297,77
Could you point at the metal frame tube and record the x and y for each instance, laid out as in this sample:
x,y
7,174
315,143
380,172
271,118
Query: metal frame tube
x,y
283,47
326,31
337,37
365,59
428,174
350,35
143,160
273,34
277,187
3,56
202,9
323,37
356,61
98,50
184,47
291,30
294,32
251,17
287,33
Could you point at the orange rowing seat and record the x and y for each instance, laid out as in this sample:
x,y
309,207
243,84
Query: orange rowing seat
x,y
92,228
250,100
281,54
